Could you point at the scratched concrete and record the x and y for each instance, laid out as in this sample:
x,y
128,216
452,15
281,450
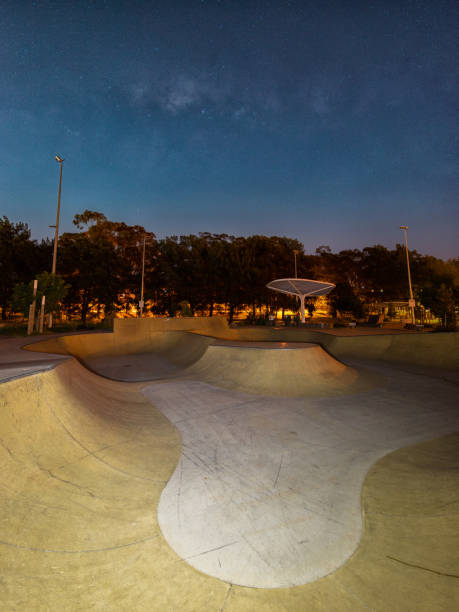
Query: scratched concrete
x,y
267,490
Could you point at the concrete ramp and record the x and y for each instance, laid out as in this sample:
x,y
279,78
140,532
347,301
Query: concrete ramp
x,y
273,368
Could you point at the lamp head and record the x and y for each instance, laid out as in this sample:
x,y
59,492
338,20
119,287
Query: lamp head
x,y
404,227
59,159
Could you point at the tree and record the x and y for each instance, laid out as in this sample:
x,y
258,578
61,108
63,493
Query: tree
x,y
94,271
17,259
442,303
344,299
103,263
438,287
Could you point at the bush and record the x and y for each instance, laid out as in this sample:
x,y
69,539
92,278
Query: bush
x,y
52,286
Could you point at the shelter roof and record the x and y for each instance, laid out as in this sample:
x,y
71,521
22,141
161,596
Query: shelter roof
x,y
300,286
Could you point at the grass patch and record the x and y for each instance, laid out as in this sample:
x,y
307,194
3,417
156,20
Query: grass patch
x,y
18,329
10,330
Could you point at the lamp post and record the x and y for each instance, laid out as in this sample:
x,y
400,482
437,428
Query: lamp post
x,y
141,303
411,302
146,237
295,253
56,234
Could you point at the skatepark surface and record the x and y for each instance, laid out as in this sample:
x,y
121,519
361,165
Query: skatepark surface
x,y
190,470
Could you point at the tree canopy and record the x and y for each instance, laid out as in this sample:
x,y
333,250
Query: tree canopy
x,y
101,266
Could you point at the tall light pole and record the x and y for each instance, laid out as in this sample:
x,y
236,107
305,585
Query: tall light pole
x,y
141,303
146,237
295,253
411,302
56,234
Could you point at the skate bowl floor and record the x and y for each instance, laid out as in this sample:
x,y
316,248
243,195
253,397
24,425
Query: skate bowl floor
x,y
178,493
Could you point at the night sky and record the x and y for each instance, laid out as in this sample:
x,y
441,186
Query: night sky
x,y
330,122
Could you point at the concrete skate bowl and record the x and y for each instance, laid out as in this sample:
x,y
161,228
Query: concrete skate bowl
x,y
266,491
177,350
287,369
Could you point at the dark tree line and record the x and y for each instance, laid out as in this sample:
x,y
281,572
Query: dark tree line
x,y
21,259
101,264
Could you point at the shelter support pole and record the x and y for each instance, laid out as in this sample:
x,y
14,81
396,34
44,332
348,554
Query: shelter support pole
x,y
302,307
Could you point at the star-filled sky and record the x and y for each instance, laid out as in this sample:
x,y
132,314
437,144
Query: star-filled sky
x,y
333,122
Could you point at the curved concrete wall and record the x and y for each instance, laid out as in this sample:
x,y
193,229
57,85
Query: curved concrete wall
x,y
140,336
211,325
440,350
432,350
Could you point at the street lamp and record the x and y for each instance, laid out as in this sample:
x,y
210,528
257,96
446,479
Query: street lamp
x,y
295,253
411,302
56,234
141,303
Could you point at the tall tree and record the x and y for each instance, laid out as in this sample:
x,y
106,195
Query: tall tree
x,y
103,263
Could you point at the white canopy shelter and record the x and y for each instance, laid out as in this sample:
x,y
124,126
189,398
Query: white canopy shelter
x,y
302,287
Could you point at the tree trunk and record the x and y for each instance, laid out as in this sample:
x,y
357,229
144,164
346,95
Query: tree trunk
x,y
84,308
231,313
